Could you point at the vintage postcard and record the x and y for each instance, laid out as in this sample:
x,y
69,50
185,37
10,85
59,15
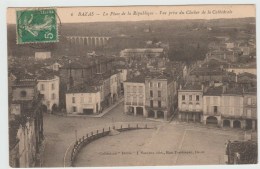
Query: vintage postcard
x,y
132,86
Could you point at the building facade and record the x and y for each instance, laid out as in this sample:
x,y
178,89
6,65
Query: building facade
x,y
49,86
190,103
223,106
212,106
134,102
76,73
160,91
25,124
142,52
232,108
115,86
83,100
250,108
42,55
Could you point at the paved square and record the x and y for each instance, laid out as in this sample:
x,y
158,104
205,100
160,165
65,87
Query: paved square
x,y
170,144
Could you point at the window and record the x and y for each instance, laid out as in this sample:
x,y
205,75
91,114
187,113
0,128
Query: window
x,y
159,85
215,100
128,88
190,107
53,96
128,100
151,93
215,109
190,97
42,87
249,101
197,98
197,107
159,93
73,100
52,86
151,84
90,99
151,103
134,89
23,93
159,104
140,89
183,97
74,109
82,100
248,113
135,100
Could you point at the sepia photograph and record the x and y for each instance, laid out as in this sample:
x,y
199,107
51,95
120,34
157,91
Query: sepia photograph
x,y
124,86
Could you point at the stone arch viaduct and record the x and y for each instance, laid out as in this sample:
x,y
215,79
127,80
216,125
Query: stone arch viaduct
x,y
91,41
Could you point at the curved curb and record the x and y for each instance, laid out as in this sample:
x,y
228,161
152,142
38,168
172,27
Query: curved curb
x,y
72,151
66,152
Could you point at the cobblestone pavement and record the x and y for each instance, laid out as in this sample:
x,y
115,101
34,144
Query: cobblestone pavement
x,y
60,131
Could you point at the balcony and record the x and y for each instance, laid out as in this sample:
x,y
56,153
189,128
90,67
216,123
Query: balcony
x,y
134,103
140,104
212,113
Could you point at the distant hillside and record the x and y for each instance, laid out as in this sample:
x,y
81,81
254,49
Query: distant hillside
x,y
134,34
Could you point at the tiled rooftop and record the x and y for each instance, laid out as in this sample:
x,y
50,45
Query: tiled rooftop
x,y
234,91
84,62
137,79
191,87
46,75
83,89
207,71
214,91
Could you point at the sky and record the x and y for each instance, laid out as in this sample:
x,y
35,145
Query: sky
x,y
108,14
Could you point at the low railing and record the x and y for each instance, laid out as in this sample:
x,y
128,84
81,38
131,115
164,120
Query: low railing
x,y
94,135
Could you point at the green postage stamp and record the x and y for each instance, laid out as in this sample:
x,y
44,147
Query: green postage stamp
x,y
36,26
